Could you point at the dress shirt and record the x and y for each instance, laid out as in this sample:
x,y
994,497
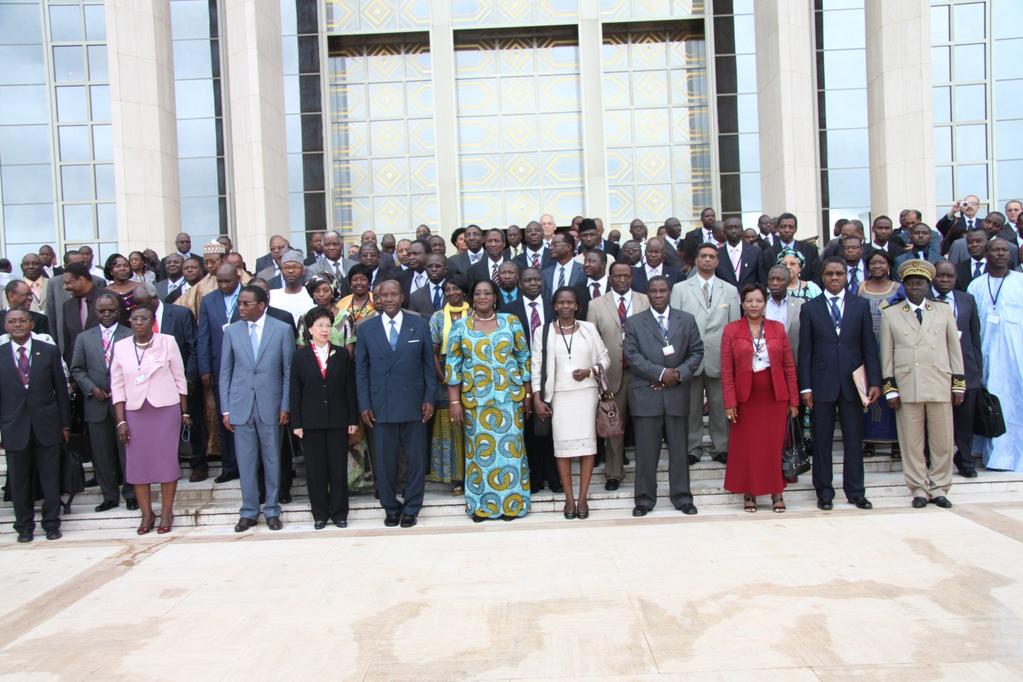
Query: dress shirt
x,y
332,264
973,264
419,280
508,296
708,236
558,269
37,296
662,326
778,312
948,298
28,350
529,309
231,302
322,354
769,238
879,247
914,307
48,269
258,324
735,255
529,258
673,242
841,301
184,288
158,315
475,257
601,283
860,272
654,272
490,266
387,323
174,284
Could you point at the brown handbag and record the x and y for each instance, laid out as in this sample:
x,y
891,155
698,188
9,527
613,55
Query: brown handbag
x,y
609,420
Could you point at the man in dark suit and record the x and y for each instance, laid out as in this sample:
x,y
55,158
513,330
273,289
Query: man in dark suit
x,y
397,386
494,257
590,237
921,244
19,295
414,278
564,270
836,337
461,262
968,323
79,310
739,263
787,224
960,219
663,349
993,226
533,311
654,267
855,264
316,253
277,246
534,253
700,235
596,284
607,246
430,298
183,244
884,238
35,418
379,268
90,368
976,265
174,280
218,309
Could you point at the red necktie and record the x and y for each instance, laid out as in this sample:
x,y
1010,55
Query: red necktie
x,y
534,319
536,261
23,366
596,290
621,310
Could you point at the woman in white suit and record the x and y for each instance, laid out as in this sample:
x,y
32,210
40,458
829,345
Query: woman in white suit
x,y
566,392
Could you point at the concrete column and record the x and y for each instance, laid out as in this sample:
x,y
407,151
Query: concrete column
x,y
899,114
257,149
591,37
787,111
445,116
144,127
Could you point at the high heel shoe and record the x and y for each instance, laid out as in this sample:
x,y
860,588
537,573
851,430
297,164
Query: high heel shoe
x,y
582,511
146,527
570,513
165,528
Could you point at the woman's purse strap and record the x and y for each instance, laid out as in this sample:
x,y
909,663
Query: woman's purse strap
x,y
543,361
601,376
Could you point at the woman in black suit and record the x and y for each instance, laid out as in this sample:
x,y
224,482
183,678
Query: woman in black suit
x,y
323,403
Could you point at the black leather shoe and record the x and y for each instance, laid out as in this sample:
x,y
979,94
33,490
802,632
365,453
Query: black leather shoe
x,y
319,525
941,501
131,505
919,502
284,499
688,509
244,524
407,520
612,484
25,537
55,534
91,482
639,511
721,458
225,478
343,523
968,473
556,488
198,475
825,505
107,505
861,503
391,520
274,523
693,459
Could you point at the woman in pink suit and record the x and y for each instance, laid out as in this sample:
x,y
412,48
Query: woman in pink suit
x,y
147,385
758,381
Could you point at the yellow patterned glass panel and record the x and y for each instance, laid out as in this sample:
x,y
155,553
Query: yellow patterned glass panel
x,y
524,203
368,16
423,174
558,93
652,164
518,95
390,176
519,133
651,127
386,100
650,89
387,138
521,170
562,168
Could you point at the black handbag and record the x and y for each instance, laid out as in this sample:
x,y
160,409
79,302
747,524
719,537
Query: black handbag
x,y
795,455
72,476
988,420
542,427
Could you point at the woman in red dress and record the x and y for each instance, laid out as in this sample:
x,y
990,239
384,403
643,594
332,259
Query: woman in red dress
x,y
758,380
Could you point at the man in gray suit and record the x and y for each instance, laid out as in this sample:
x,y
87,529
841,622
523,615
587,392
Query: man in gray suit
x,y
713,303
333,260
781,307
430,298
255,372
56,295
663,349
90,368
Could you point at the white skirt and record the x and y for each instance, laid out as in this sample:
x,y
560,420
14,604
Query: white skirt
x,y
574,422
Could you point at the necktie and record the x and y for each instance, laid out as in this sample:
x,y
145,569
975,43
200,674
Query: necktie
x,y
978,268
108,345
622,310
854,280
920,315
254,339
922,255
535,263
561,276
596,290
337,270
534,319
23,365
836,314
493,272
83,311
664,326
706,294
969,224
393,336
437,299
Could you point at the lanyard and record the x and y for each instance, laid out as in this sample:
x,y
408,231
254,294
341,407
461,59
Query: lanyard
x,y
139,358
232,308
568,344
758,341
994,296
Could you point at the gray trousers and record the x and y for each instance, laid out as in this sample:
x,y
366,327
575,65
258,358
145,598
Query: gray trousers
x,y
716,408
253,441
649,432
614,452
108,460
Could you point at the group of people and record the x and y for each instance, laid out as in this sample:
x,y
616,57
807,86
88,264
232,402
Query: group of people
x,y
388,365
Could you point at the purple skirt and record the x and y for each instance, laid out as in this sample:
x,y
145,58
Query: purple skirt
x,y
151,455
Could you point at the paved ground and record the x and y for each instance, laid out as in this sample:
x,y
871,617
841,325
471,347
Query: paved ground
x,y
893,593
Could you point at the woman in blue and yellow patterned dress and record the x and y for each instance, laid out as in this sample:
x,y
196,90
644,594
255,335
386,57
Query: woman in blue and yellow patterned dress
x,y
487,373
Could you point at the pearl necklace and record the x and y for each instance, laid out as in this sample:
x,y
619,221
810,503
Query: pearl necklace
x,y
484,319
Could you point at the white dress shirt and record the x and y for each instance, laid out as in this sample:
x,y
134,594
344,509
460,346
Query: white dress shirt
x,y
601,283
529,257
475,257
258,325
528,303
419,280
734,255
654,272
778,312
387,323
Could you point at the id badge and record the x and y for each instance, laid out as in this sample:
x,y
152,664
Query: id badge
x,y
140,379
959,335
994,319
668,350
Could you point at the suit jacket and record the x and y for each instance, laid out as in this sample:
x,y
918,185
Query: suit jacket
x,y
319,402
894,246
256,385
89,368
573,275
584,296
73,320
179,323
518,309
687,296
43,409
263,262
968,326
964,274
406,278
421,302
523,262
41,324
923,362
395,384
691,244
672,257
323,265
162,366
957,253
162,270
639,277
751,267
55,298
285,317
794,306
210,334
826,359
644,350
951,230
163,287
481,270
460,263
586,337
811,268
737,364
603,314
933,256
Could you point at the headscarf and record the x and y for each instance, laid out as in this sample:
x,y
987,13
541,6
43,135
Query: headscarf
x,y
314,282
448,310
791,252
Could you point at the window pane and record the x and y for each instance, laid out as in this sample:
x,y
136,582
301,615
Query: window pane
x,y
100,95
847,148
845,69
76,183
971,143
67,64
1010,179
27,184
95,23
943,144
102,143
969,62
105,182
843,29
849,187
194,99
198,177
71,104
969,22
845,108
940,70
65,23
1006,18
1007,62
22,64
78,223
19,24
197,137
190,19
939,24
25,144
1009,140
192,58
28,223
97,62
24,104
106,216
74,143
943,185
201,214
1008,95
971,104
942,104
971,180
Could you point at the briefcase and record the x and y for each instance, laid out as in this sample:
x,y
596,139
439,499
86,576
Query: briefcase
x,y
988,421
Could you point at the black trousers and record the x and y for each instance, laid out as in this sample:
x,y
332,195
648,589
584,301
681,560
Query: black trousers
x,y
326,472
388,440
540,455
850,416
962,425
23,468
198,440
108,460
